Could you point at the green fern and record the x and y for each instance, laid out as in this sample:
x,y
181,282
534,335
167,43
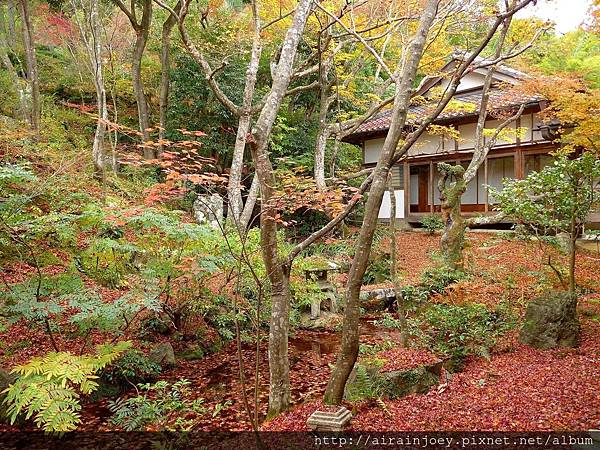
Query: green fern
x,y
49,387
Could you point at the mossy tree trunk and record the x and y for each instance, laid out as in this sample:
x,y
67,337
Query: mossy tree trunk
x,y
452,186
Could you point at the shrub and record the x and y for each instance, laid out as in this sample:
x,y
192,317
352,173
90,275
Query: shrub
x,y
49,387
412,296
437,279
367,382
432,223
164,406
389,321
131,368
457,331
378,270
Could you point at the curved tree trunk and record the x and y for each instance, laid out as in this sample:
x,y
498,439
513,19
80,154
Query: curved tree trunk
x,y
320,147
453,236
277,269
246,217
404,88
236,207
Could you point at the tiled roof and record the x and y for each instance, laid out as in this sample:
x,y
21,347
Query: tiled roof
x,y
500,100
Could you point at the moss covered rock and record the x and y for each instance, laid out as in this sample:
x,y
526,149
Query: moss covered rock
x,y
551,321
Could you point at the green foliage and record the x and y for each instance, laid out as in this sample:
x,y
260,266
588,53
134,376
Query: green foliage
x,y
432,223
162,406
389,321
37,299
368,349
131,368
377,271
412,296
549,200
44,301
49,388
367,382
575,52
437,279
459,330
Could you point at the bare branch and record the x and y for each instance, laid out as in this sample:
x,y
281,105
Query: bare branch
x,y
360,38
199,56
298,248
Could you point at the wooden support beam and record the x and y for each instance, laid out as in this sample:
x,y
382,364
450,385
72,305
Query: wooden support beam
x,y
431,207
485,190
519,164
406,183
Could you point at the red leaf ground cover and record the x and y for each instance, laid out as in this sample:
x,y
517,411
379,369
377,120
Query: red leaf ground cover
x,y
405,358
518,389
522,390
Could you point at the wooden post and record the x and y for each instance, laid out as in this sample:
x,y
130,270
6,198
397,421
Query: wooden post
x,y
406,182
431,208
519,169
485,181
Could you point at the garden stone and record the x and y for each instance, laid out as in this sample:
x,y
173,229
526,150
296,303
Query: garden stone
x,y
377,299
208,209
163,354
551,321
413,381
399,383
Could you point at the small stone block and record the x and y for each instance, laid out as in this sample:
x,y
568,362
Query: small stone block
x,y
329,420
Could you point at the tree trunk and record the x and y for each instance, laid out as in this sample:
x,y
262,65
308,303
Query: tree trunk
x,y
138,88
453,237
98,153
404,88
165,53
277,271
246,217
32,70
234,188
572,254
11,30
324,129
5,48
452,242
320,147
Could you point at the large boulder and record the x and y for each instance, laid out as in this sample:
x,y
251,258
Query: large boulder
x,y
551,321
163,354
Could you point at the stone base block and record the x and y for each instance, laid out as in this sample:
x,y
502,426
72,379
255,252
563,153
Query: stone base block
x,y
329,420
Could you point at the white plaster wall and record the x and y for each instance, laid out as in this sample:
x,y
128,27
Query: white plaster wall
x,y
385,209
427,144
469,81
526,122
373,149
467,135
